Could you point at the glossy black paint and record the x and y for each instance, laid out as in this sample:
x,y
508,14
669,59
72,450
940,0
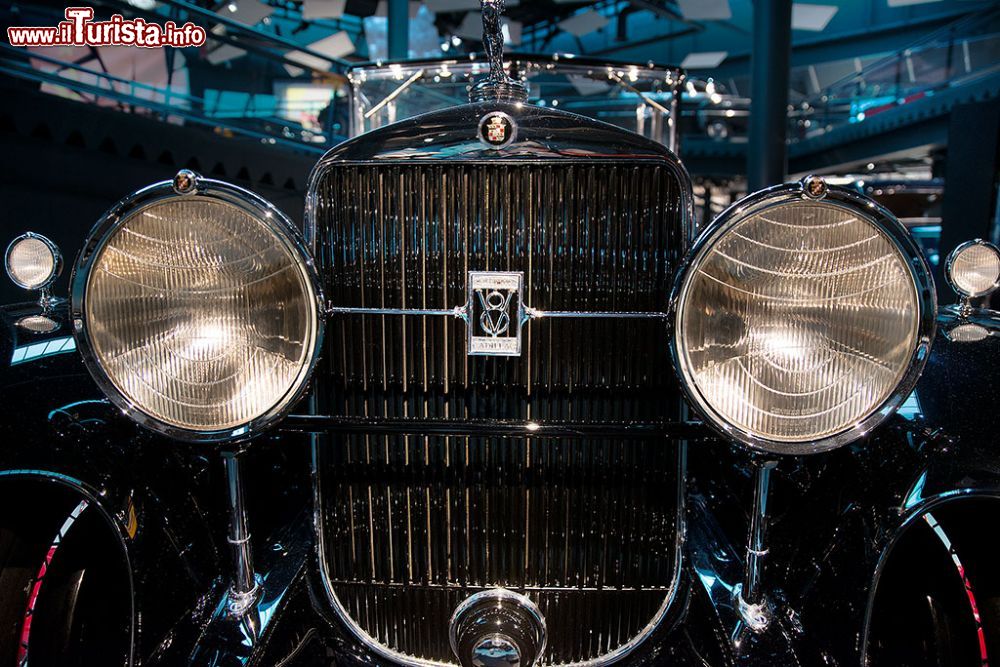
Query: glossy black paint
x,y
936,603
61,558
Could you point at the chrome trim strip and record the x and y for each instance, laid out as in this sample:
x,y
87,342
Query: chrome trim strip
x,y
535,314
409,661
458,312
527,313
687,429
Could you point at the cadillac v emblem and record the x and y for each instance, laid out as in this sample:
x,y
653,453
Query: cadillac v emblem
x,y
496,129
494,313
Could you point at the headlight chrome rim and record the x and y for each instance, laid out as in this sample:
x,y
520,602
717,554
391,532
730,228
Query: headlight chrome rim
x,y
949,266
804,191
251,204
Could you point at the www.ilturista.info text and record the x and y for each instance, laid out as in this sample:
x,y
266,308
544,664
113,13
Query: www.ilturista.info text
x,y
79,29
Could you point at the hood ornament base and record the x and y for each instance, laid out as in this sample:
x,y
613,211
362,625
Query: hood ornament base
x,y
497,86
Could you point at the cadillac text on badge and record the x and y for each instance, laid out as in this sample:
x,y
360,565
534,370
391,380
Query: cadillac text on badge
x,y
494,313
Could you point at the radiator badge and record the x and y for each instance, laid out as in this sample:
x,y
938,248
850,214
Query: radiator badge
x,y
496,129
494,313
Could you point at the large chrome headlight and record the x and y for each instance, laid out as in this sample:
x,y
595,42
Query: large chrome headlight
x,y
802,318
197,309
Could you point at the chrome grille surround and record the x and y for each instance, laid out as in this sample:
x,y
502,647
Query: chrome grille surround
x,y
596,219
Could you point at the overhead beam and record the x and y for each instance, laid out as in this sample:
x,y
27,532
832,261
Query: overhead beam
x,y
660,9
922,122
237,27
772,46
399,29
883,38
683,32
908,141
234,38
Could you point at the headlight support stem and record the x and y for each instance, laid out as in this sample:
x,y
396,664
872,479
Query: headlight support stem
x,y
244,588
751,599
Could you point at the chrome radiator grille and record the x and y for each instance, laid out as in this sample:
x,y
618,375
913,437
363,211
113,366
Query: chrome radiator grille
x,y
411,526
592,237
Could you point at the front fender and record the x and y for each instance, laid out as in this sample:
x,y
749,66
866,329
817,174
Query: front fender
x,y
956,401
936,560
933,598
835,517
56,428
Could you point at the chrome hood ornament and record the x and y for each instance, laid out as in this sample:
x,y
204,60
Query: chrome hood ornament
x,y
497,86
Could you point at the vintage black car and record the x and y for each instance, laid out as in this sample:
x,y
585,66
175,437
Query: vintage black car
x,y
497,405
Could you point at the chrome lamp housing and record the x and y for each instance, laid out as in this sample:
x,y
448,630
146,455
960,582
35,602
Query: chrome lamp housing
x,y
198,309
32,261
973,269
802,318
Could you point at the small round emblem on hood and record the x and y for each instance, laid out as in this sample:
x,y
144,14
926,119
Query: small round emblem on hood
x,y
497,129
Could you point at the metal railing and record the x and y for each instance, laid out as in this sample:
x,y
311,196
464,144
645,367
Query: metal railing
x,y
960,54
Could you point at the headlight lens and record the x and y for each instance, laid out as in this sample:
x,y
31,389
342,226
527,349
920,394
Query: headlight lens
x,y
201,311
798,320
